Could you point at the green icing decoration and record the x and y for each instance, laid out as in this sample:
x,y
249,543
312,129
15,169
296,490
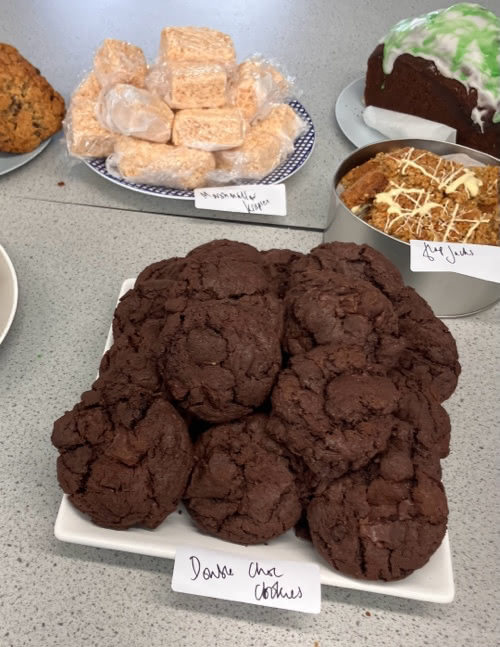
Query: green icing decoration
x,y
464,43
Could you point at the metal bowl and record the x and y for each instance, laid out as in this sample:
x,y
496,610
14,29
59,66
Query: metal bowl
x,y
449,294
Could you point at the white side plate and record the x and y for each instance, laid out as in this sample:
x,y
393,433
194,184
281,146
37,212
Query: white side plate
x,y
8,293
432,583
11,161
349,113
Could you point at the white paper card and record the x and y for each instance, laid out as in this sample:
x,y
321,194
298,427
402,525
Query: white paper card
x,y
478,261
398,125
269,199
277,583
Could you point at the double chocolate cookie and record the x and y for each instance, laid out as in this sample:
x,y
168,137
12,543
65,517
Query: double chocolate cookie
x,y
242,488
120,471
278,264
354,261
386,520
430,360
222,357
335,424
327,308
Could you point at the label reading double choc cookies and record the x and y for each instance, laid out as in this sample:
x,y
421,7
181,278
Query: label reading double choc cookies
x,y
270,583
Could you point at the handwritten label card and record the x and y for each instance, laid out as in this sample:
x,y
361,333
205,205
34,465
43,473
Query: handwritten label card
x,y
478,261
214,574
269,199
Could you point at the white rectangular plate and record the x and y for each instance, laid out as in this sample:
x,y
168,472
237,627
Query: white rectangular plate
x,y
432,583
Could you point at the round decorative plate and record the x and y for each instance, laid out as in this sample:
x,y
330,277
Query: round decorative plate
x,y
301,152
349,113
8,293
11,161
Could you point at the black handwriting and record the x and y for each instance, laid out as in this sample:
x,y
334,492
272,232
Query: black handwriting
x,y
255,569
220,573
257,206
275,592
449,254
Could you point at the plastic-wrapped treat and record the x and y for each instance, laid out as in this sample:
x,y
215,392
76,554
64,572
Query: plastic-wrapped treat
x,y
255,84
135,112
85,137
196,45
259,154
88,90
161,164
117,61
211,129
283,121
195,85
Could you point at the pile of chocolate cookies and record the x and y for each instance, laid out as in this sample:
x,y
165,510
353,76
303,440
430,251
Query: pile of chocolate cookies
x,y
270,390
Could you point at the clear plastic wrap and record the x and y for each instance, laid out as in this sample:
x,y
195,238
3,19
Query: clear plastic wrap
x,y
259,155
85,137
282,120
133,111
211,129
88,89
256,84
188,85
197,45
160,164
117,61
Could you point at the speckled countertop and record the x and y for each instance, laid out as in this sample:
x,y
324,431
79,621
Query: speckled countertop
x,y
73,245
71,261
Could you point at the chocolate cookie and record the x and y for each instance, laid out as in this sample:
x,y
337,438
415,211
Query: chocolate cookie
x,y
241,488
428,419
328,308
355,261
222,357
125,366
386,520
123,475
278,264
223,248
430,361
335,424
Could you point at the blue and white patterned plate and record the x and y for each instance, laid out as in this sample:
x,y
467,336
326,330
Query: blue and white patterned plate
x,y
303,148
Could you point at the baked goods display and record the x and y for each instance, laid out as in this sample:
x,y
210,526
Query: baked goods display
x,y
190,119
414,194
443,66
31,110
271,390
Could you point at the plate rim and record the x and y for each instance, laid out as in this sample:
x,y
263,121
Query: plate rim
x,y
134,187
340,98
445,595
31,156
13,276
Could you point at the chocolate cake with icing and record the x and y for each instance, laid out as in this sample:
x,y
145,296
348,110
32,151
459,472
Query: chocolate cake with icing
x,y
443,66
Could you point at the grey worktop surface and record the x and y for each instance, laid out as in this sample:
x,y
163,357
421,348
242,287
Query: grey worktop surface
x,y
71,261
71,258
323,43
